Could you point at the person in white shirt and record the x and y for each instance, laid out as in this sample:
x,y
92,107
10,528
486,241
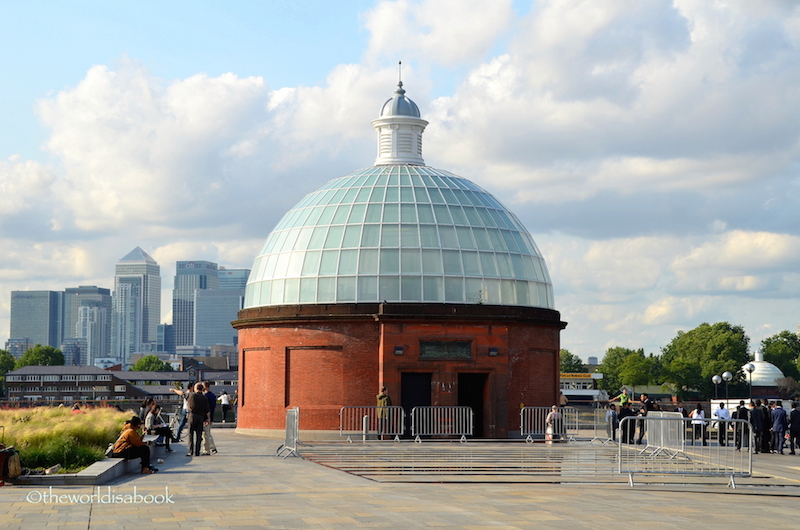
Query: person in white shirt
x,y
698,424
225,400
722,427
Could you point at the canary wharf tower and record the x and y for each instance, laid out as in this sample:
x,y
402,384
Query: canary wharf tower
x,y
400,275
136,304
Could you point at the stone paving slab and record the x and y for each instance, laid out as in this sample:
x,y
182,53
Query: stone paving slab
x,y
244,486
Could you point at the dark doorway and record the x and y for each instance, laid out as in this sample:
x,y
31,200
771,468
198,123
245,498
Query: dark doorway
x,y
415,391
471,389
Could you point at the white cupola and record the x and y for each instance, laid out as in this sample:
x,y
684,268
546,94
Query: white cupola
x,y
399,131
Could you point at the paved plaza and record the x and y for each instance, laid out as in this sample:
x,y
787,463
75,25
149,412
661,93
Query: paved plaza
x,y
245,486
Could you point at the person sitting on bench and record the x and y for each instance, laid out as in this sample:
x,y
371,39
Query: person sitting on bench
x,y
130,445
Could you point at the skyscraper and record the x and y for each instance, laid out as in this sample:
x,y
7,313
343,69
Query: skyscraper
x,y
233,278
87,315
38,316
136,304
189,277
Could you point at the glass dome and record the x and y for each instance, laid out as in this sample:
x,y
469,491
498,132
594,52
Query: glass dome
x,y
399,233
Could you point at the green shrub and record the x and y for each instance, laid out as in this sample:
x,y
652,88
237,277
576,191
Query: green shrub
x,y
46,436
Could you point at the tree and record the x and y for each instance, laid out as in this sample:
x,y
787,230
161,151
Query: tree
x,y
7,362
636,369
692,358
6,365
40,356
571,363
783,350
611,366
151,363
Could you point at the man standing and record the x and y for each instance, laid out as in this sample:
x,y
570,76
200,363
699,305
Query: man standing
x,y
209,447
383,403
198,417
794,428
722,426
627,429
757,423
647,406
766,432
741,414
779,425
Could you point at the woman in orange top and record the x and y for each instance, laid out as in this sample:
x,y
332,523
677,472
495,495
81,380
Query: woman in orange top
x,y
130,445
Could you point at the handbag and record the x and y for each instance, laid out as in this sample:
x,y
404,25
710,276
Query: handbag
x,y
110,448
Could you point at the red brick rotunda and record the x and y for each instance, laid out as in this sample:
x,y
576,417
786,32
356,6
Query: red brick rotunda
x,y
399,275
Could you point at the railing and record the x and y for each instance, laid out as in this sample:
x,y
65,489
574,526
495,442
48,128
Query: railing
x,y
537,423
292,439
669,451
603,429
442,421
382,421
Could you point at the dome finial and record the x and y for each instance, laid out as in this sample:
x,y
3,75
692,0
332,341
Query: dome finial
x,y
400,89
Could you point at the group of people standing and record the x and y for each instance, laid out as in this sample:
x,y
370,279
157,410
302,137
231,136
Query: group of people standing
x,y
770,423
626,410
199,405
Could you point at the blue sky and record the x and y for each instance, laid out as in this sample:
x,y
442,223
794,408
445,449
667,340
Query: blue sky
x,y
650,147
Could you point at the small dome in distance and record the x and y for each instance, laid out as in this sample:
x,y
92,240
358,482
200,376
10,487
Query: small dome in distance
x,y
765,373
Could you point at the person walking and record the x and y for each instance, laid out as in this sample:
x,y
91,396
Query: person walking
x,y
225,401
554,423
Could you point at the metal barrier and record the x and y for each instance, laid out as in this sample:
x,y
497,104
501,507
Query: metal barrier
x,y
382,421
670,452
292,439
536,422
603,429
442,421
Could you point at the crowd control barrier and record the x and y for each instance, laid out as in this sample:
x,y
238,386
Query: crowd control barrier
x,y
442,421
670,450
533,424
292,439
602,427
383,421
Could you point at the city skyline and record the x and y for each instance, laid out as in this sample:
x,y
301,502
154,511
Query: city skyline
x,y
650,148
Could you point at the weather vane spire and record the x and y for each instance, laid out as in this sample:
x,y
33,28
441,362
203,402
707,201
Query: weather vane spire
x,y
400,72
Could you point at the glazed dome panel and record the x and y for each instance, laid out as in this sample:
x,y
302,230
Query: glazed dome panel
x,y
399,233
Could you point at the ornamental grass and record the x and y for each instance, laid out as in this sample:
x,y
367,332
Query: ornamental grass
x,y
45,436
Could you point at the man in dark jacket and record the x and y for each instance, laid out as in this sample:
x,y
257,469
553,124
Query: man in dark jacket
x,y
627,429
794,428
741,413
757,423
200,416
779,425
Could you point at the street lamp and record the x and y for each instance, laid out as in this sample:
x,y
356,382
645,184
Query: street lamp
x,y
716,380
727,376
750,368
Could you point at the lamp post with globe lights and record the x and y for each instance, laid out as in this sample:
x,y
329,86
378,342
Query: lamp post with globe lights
x,y
727,376
750,368
716,380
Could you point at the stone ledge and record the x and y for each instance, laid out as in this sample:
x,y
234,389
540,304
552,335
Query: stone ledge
x,y
95,475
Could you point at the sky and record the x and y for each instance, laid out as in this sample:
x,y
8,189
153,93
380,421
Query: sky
x,y
650,147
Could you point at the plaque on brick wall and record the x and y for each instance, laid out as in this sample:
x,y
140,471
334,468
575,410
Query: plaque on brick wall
x,y
439,349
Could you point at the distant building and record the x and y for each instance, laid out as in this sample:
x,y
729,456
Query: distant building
x,y
165,343
16,347
190,276
75,351
66,384
136,304
87,315
38,316
233,278
213,313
